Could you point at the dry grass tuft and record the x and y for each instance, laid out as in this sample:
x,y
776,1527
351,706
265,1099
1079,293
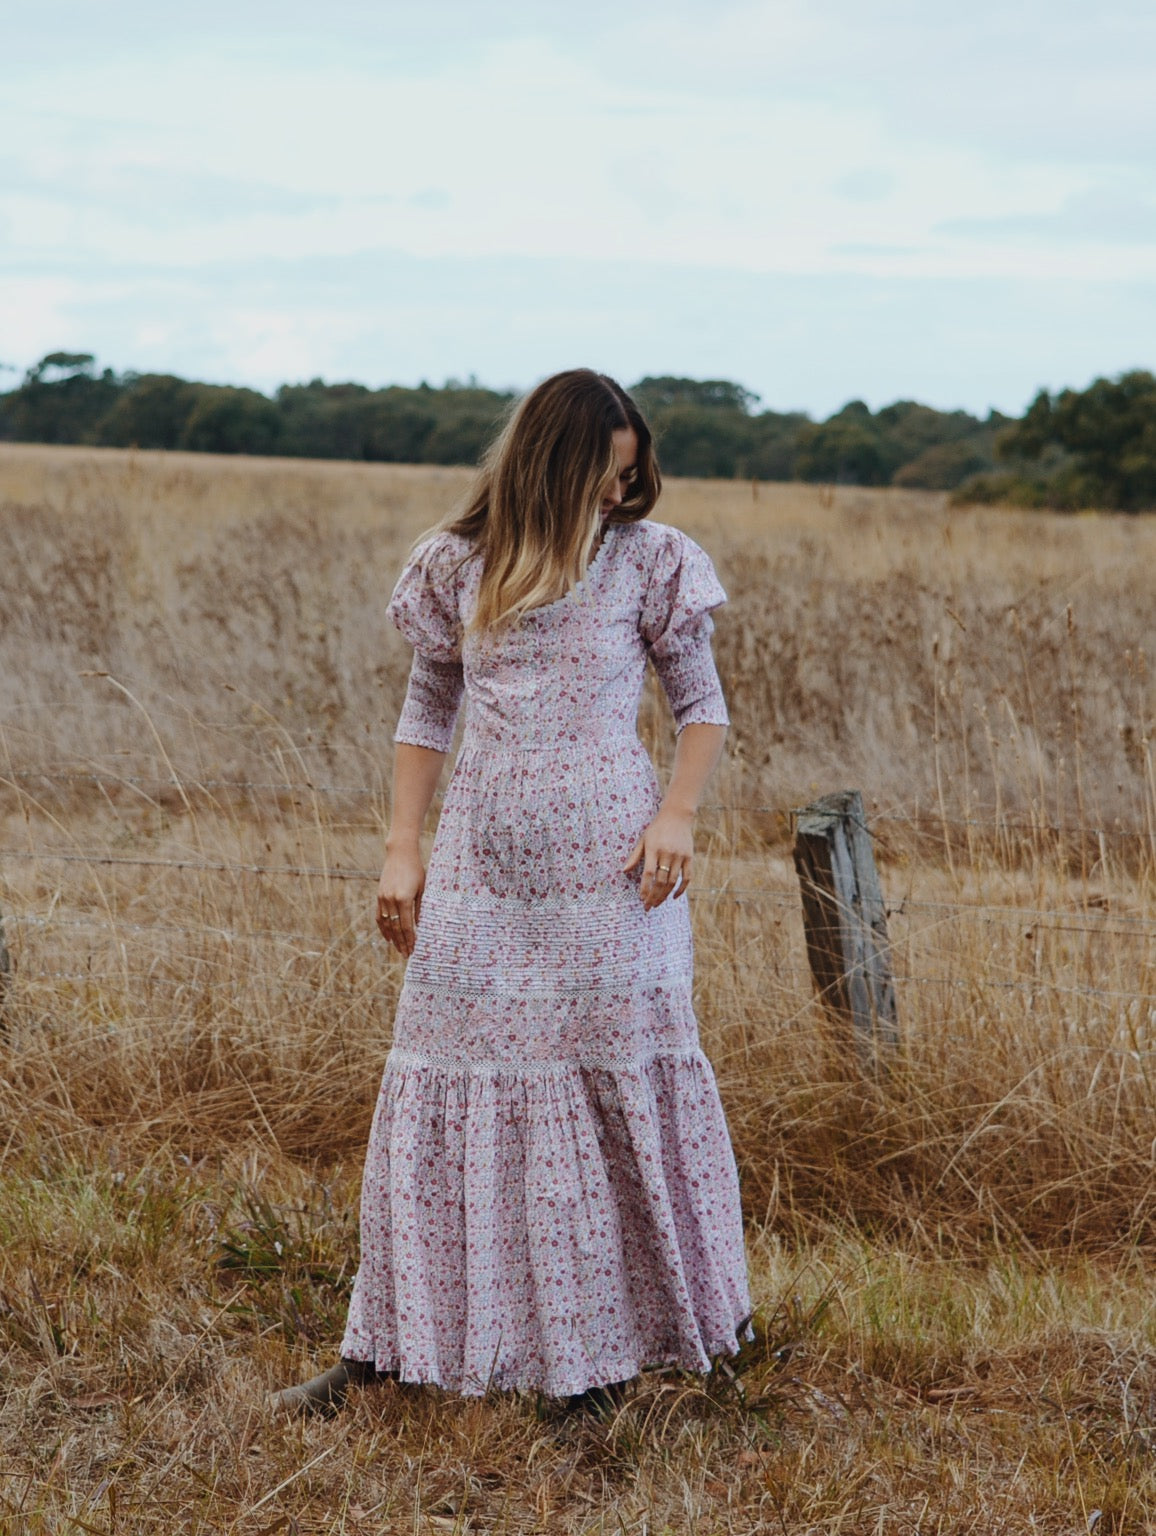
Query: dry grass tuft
x,y
952,1261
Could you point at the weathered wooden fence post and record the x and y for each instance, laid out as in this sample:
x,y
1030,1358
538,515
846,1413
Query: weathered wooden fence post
x,y
845,919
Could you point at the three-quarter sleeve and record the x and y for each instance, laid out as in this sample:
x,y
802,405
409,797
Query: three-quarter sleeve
x,y
676,626
424,608
432,701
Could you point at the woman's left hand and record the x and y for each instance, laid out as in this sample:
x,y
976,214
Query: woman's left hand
x,y
666,849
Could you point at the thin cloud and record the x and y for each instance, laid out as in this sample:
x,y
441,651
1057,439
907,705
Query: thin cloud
x,y
1093,217
149,193
865,184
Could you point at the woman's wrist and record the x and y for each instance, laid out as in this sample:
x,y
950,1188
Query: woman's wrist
x,y
403,840
676,805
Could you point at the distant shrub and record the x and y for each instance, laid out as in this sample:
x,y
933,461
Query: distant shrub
x,y
942,467
1001,488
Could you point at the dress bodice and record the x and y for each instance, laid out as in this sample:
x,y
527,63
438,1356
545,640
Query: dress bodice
x,y
572,669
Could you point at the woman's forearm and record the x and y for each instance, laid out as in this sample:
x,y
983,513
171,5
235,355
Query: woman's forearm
x,y
696,753
416,771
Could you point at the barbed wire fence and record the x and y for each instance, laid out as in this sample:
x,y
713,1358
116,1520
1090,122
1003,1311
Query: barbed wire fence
x,y
256,787
1092,918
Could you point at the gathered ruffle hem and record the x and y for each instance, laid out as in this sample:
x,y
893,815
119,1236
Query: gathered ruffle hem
x,y
551,1226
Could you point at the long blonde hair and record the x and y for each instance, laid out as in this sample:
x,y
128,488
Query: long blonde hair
x,y
534,511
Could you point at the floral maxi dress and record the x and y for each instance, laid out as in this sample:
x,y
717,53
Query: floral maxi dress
x,y
550,1198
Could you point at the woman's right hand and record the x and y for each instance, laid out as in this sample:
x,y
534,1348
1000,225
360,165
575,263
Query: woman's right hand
x,y
399,897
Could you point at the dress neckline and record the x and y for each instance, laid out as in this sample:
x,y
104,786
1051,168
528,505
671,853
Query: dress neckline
x,y
579,587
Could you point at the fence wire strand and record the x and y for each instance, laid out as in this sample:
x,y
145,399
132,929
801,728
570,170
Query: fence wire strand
x,y
928,820
1099,921
1079,920
793,973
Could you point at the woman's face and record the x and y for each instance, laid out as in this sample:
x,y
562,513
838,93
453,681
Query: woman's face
x,y
625,442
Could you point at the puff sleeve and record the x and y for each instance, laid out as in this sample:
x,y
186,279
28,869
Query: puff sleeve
x,y
676,627
424,608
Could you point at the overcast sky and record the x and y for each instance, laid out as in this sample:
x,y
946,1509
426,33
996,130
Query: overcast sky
x,y
820,199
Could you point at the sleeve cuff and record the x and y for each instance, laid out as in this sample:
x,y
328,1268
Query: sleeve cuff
x,y
416,736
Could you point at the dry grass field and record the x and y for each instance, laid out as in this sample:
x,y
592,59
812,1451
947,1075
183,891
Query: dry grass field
x,y
954,1262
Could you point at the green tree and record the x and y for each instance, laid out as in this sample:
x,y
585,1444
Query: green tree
x,y
914,429
227,420
706,443
847,449
774,445
395,425
64,365
942,467
60,400
1106,439
152,411
465,427
400,425
703,427
325,421
657,394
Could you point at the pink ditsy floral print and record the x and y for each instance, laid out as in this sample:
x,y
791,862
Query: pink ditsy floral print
x,y
550,1198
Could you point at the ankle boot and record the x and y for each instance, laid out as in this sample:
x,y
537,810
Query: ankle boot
x,y
325,1393
597,1402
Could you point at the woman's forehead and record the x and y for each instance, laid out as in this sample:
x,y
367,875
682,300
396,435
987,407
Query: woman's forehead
x,y
625,440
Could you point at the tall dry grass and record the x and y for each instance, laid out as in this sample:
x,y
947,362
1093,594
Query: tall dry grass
x,y
986,661
174,626
195,701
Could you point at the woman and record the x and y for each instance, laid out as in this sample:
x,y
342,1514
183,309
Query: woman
x,y
550,1199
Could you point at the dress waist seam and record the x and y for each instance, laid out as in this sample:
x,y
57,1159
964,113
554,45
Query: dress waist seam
x,y
474,741
400,1059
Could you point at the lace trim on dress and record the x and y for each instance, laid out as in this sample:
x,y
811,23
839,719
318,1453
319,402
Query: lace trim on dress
x,y
473,1067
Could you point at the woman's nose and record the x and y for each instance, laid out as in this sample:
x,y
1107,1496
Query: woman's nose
x,y
613,496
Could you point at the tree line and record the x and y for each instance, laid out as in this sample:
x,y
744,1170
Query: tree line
x,y
1089,448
